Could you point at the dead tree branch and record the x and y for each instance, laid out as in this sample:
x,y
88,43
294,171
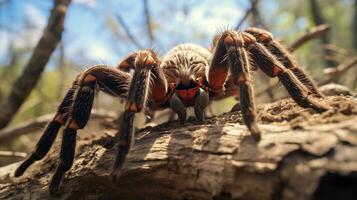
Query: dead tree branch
x,y
215,159
40,122
34,68
13,154
128,31
148,21
256,18
336,72
354,26
247,13
325,40
312,33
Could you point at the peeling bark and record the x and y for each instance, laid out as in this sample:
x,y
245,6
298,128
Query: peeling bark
x,y
302,155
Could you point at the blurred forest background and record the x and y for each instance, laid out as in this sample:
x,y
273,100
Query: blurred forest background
x,y
104,31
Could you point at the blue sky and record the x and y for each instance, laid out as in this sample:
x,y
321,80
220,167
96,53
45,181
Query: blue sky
x,y
88,40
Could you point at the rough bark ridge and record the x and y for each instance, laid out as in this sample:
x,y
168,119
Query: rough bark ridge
x,y
302,155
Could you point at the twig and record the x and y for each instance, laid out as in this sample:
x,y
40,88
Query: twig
x,y
13,154
127,31
312,33
40,122
339,70
148,21
256,18
318,19
247,13
34,68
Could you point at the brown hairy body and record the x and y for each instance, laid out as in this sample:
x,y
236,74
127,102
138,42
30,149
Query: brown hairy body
x,y
187,76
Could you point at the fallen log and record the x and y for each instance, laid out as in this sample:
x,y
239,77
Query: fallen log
x,y
302,155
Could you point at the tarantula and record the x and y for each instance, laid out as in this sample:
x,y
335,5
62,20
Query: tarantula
x,y
188,76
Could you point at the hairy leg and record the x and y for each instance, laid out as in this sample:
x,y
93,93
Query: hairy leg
x,y
219,68
74,112
148,77
66,159
285,57
202,101
50,133
272,67
79,116
178,107
231,44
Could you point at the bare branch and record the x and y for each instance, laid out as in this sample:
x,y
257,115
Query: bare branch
x,y
13,154
336,72
40,122
354,26
319,20
128,32
148,21
312,33
34,68
247,13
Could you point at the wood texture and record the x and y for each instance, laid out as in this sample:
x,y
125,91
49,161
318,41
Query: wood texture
x,y
302,155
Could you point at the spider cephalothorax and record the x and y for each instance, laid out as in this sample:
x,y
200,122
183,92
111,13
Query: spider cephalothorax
x,y
188,76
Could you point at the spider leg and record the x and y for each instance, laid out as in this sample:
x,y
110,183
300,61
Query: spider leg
x,y
285,57
125,141
148,77
272,67
219,68
74,113
112,81
179,108
127,63
50,133
230,44
66,158
202,101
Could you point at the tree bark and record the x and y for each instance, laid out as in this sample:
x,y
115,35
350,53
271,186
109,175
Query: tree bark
x,y
302,155
354,25
34,68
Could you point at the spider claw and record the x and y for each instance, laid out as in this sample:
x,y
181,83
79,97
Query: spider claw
x,y
182,117
236,107
23,166
317,105
55,184
202,102
114,175
256,133
177,106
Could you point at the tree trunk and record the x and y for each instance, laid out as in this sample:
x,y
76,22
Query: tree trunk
x,y
302,155
354,25
34,68
325,40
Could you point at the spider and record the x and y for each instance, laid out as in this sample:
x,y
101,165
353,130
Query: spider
x,y
188,76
